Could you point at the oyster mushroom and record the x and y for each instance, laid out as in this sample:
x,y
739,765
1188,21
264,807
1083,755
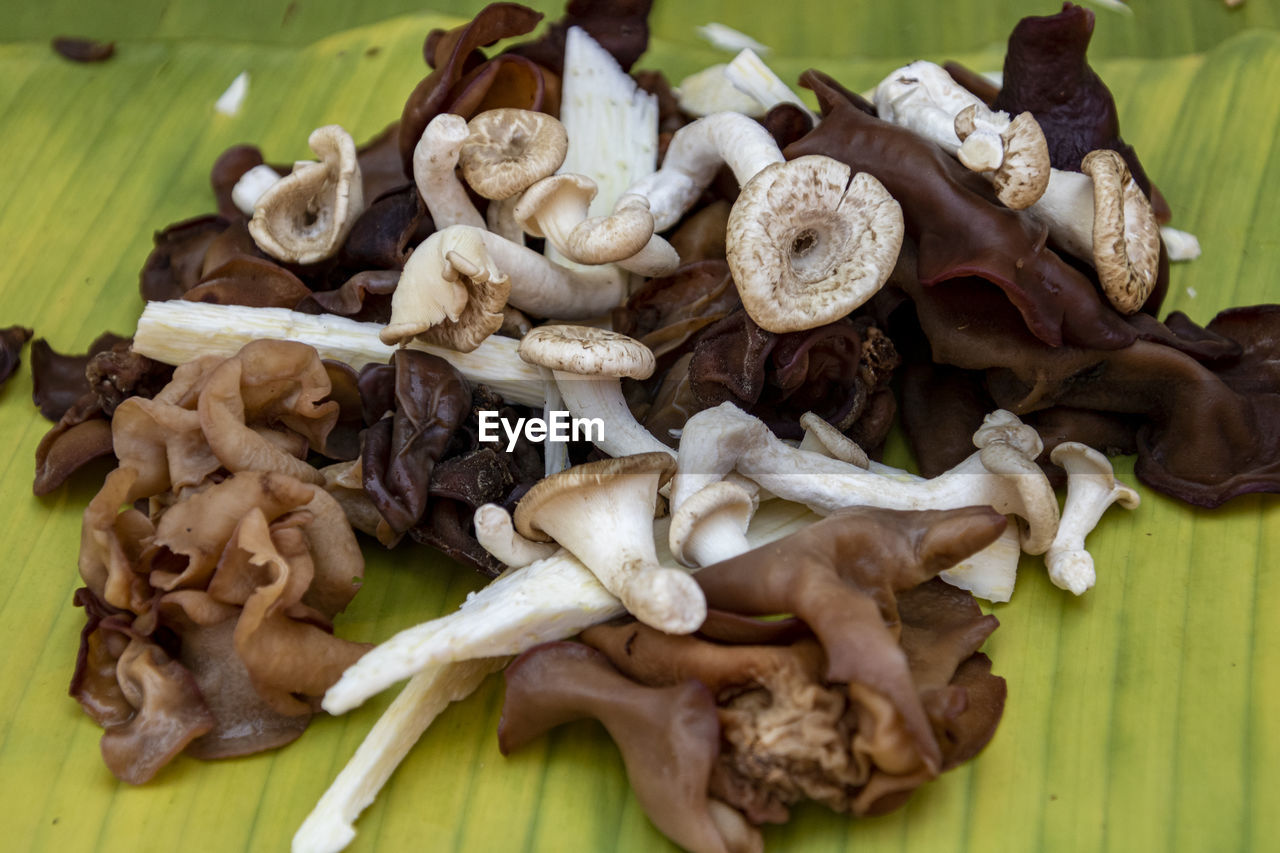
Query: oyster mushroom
x,y
450,293
587,364
576,506
711,524
1091,488
508,150
808,242
305,216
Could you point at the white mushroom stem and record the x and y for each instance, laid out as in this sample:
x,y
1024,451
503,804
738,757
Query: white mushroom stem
x,y
435,160
330,825
696,153
1067,209
543,288
601,397
1180,245
500,218
251,186
1091,488
749,74
710,91
178,331
497,535
549,599
555,454
1003,474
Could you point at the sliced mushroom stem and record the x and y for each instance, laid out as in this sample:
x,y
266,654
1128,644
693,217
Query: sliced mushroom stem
x,y
178,331
1091,488
251,186
750,75
435,161
497,535
330,825
696,153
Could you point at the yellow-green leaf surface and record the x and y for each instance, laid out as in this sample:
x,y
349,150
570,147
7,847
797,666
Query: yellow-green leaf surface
x,y
1143,716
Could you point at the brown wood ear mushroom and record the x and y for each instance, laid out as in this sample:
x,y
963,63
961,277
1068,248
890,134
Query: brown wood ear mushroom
x,y
668,736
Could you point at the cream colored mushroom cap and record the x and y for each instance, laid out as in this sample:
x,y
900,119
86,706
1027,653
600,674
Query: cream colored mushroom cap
x,y
569,190
587,351
509,149
723,497
304,217
807,245
1126,236
591,475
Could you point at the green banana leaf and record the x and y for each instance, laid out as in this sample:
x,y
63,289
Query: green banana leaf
x,y
1144,715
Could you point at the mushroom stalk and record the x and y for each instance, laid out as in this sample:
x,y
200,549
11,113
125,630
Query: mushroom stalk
x,y
435,161
543,288
330,825
178,331
600,397
695,154
546,600
1091,488
251,186
497,535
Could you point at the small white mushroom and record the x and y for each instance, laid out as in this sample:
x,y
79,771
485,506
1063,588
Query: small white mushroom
x,y
305,216
435,161
508,150
1091,488
556,208
808,242
711,525
1012,153
497,534
588,364
251,186
602,512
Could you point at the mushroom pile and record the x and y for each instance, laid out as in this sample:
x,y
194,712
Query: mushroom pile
x,y
737,299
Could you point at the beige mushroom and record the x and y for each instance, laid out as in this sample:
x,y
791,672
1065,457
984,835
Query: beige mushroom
x,y
1091,488
1019,163
1013,154
807,244
1126,236
435,163
588,364
556,208
602,513
822,437
711,525
306,215
507,150
1103,218
450,293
